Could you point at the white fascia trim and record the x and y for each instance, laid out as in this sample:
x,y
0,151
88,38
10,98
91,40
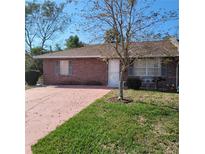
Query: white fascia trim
x,y
54,57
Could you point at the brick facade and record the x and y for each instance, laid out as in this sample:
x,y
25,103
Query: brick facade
x,y
94,71
167,81
169,70
88,71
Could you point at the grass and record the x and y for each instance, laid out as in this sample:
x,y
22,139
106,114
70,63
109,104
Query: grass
x,y
147,125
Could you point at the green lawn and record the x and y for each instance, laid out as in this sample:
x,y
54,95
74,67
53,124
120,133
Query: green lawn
x,y
147,125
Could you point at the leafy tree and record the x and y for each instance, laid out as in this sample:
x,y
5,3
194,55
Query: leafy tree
x,y
129,22
73,42
34,64
30,63
43,21
57,47
37,51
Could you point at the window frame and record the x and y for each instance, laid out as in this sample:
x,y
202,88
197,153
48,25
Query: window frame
x,y
147,68
68,67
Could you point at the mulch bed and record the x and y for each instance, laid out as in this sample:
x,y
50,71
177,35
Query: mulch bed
x,y
125,100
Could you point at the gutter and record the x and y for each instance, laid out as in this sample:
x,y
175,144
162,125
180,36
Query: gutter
x,y
55,57
73,57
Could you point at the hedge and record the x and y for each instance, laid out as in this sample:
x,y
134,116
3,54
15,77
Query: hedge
x,y
32,77
134,83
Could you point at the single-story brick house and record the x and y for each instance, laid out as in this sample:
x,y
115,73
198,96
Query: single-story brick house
x,y
157,62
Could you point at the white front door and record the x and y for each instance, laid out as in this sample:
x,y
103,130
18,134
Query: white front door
x,y
113,72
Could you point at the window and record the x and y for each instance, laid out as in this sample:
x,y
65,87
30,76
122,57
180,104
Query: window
x,y
146,67
139,68
65,67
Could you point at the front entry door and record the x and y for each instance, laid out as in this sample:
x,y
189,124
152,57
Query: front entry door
x,y
113,72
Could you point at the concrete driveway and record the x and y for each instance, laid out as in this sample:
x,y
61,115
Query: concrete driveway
x,y
48,107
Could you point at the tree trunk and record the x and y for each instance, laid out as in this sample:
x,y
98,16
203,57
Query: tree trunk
x,y
121,86
43,43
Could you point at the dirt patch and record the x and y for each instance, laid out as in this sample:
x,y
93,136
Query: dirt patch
x,y
125,100
141,120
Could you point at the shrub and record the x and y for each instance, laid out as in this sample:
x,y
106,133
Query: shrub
x,y
134,83
32,77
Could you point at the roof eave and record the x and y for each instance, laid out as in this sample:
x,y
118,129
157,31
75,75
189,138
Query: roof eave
x,y
59,57
74,57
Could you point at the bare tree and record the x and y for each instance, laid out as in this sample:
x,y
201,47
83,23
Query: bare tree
x,y
129,22
43,21
110,36
31,10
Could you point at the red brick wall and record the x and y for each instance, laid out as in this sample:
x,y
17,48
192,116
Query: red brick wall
x,y
84,71
168,76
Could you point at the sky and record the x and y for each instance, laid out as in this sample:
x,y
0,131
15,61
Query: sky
x,y
76,29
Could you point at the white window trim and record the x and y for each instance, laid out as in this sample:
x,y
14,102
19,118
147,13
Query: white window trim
x,y
146,68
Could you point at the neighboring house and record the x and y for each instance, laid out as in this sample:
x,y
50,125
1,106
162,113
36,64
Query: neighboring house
x,y
156,65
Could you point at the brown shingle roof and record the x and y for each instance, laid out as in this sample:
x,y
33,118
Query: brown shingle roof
x,y
164,48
